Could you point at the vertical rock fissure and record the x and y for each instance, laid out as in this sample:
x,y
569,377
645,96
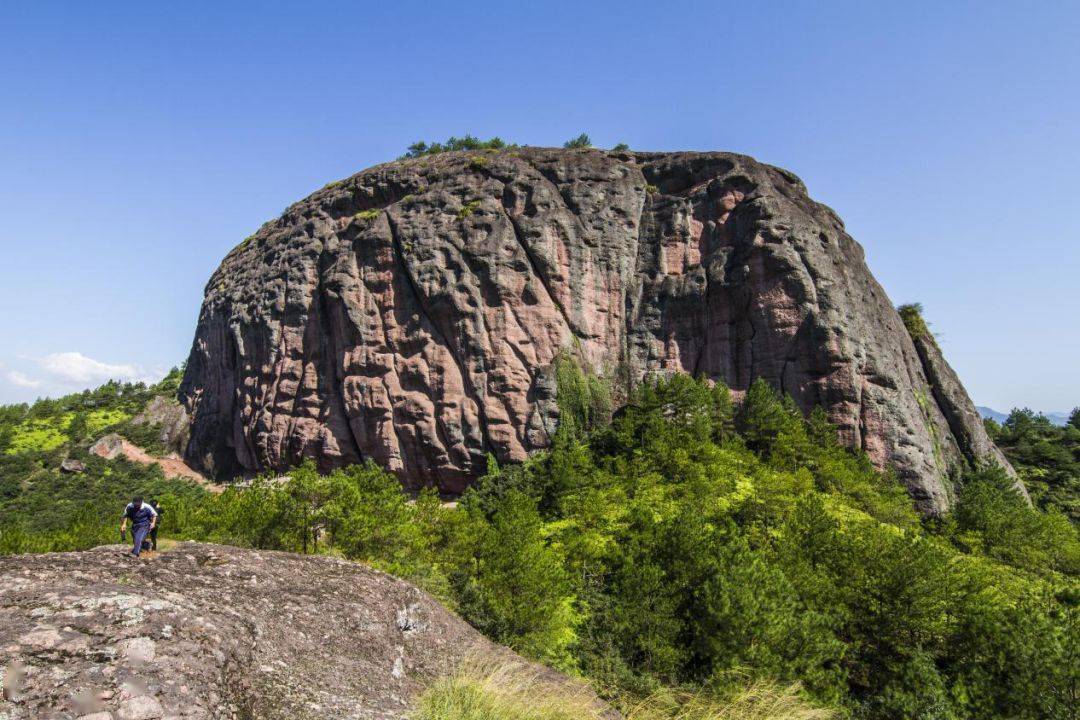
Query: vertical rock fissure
x,y
335,364
537,271
466,378
956,426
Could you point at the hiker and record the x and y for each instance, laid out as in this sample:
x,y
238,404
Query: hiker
x,y
154,528
143,520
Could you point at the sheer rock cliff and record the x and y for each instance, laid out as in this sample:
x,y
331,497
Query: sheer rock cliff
x,y
411,313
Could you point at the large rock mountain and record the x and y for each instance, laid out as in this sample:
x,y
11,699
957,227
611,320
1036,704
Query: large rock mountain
x,y
411,314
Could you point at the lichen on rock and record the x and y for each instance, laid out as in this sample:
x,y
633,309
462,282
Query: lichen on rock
x,y
208,632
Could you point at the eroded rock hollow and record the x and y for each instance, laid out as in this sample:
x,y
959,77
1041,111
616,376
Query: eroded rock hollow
x,y
411,313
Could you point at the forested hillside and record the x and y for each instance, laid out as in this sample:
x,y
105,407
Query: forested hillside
x,y
1046,456
683,545
44,508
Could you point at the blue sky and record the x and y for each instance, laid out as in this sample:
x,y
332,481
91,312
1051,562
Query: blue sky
x,y
140,141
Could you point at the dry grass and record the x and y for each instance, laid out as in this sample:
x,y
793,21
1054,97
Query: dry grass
x,y
760,700
490,688
499,689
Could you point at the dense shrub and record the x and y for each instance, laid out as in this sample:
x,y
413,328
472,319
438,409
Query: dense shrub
x,y
581,141
1047,458
422,148
912,315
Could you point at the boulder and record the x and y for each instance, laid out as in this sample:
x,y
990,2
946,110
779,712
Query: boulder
x,y
71,465
171,417
108,447
411,314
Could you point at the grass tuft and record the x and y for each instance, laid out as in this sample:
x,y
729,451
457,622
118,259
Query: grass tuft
x,y
760,700
491,688
912,315
497,688
468,209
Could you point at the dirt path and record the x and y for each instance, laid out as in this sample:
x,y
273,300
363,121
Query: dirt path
x,y
172,467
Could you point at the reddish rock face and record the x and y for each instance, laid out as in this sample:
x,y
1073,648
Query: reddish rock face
x,y
411,313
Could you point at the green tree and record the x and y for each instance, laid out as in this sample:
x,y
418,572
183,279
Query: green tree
x,y
583,398
516,589
992,518
771,425
581,141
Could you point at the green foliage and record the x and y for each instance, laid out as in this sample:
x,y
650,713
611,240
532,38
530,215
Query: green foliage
x,y
38,436
992,518
368,215
468,209
42,508
651,189
1046,457
515,587
422,148
621,147
676,545
584,399
912,315
581,141
478,162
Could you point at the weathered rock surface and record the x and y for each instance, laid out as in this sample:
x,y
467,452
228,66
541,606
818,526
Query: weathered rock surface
x,y
71,465
411,313
108,446
172,420
206,631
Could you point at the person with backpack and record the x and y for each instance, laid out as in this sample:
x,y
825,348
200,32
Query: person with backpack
x,y
143,519
157,522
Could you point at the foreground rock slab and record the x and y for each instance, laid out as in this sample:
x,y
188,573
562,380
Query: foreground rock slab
x,y
213,632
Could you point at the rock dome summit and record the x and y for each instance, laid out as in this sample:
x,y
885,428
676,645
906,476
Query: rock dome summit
x,y
411,314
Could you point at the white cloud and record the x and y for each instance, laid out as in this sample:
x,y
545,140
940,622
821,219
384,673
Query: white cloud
x,y
74,368
18,379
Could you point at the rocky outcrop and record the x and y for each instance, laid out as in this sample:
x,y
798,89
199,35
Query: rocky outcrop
x,y
71,465
967,435
411,314
107,447
171,420
205,631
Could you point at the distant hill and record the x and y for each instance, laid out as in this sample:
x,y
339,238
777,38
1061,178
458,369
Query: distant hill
x,y
991,414
1057,418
